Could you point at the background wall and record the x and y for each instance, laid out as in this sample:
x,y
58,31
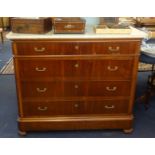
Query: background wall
x,y
92,20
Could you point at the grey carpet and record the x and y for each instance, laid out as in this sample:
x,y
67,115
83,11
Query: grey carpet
x,y
144,124
5,53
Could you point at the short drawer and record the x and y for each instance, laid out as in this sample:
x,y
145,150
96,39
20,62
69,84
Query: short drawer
x,y
32,109
109,88
77,47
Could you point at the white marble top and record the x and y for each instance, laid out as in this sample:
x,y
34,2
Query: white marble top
x,y
87,35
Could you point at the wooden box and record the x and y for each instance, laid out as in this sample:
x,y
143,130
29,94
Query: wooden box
x,y
69,25
103,29
145,21
31,25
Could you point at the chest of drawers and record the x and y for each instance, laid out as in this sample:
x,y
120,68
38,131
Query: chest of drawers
x,y
73,84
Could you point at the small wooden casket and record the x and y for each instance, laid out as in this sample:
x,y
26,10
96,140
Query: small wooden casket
x,y
39,25
69,25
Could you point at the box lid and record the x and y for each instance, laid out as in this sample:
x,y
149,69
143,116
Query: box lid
x,y
69,19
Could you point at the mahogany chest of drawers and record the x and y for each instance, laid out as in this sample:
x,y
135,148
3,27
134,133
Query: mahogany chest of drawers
x,y
72,84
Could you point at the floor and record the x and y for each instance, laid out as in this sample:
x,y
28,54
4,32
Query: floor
x,y
5,53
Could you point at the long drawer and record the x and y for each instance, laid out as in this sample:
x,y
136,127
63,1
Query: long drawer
x,y
104,107
88,69
62,89
76,47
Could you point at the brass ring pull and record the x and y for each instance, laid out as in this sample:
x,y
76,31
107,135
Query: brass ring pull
x,y
41,90
109,107
69,26
40,69
113,49
76,65
42,108
39,49
115,68
111,89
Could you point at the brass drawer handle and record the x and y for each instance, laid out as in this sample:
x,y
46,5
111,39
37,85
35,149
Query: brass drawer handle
x,y
113,49
109,107
76,65
76,86
42,108
69,26
40,69
115,68
76,47
111,89
39,49
41,90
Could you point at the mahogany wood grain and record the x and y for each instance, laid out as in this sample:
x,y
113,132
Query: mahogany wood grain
x,y
53,108
76,123
57,89
72,84
89,69
74,47
109,88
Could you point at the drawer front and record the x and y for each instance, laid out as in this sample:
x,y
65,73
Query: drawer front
x,y
104,107
109,88
75,47
52,108
52,89
74,89
84,69
109,106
